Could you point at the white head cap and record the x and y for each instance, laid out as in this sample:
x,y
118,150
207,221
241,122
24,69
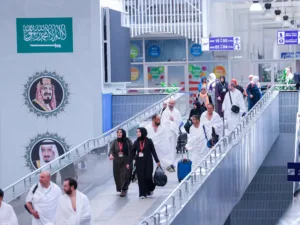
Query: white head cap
x,y
255,79
212,77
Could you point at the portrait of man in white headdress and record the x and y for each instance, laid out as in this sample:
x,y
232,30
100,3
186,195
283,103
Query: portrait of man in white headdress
x,y
44,94
47,152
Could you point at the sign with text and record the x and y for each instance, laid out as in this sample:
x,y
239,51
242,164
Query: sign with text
x,y
288,37
293,171
221,44
44,35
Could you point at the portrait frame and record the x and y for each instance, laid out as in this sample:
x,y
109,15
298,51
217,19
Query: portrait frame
x,y
61,89
36,141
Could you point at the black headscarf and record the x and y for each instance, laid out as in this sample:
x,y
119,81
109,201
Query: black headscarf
x,y
223,78
143,133
123,139
197,111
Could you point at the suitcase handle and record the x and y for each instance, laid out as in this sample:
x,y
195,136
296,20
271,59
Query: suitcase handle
x,y
187,154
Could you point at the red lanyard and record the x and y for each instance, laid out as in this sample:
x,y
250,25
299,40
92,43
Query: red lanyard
x,y
120,146
142,145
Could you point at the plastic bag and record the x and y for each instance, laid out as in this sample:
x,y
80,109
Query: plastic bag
x,y
160,178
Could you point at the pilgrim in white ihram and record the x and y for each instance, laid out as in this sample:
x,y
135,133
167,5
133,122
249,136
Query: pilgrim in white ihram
x,y
196,141
161,140
42,203
211,119
233,97
171,119
73,207
7,214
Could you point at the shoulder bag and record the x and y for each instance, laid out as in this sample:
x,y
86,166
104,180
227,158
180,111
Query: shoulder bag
x,y
234,108
33,191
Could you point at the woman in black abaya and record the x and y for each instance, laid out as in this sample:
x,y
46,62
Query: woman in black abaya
x,y
120,152
143,151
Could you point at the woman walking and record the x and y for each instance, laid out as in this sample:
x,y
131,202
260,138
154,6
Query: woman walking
x,y
221,90
120,152
253,92
143,153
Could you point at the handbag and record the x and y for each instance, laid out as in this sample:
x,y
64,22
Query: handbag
x,y
214,138
160,178
234,108
33,191
187,125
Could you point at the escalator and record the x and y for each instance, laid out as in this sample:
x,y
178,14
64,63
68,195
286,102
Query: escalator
x,y
211,191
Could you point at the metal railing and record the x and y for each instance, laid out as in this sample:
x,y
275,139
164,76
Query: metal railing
x,y
21,186
173,204
296,185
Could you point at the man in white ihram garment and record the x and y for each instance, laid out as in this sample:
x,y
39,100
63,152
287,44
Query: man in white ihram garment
x,y
196,144
211,119
161,140
233,97
7,213
43,202
171,119
73,207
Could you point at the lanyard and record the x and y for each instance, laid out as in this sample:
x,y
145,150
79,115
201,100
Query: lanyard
x,y
142,145
120,146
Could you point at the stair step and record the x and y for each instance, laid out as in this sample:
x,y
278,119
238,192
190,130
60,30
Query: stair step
x,y
254,221
267,196
280,170
270,178
265,187
259,214
260,205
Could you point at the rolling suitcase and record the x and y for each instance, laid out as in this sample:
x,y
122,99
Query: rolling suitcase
x,y
184,167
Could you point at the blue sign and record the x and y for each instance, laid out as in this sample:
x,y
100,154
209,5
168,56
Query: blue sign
x,y
221,44
293,171
288,37
290,55
154,51
196,50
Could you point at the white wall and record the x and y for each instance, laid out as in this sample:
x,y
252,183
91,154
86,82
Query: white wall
x,y
113,4
82,117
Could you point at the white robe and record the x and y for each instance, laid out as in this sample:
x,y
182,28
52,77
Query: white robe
x,y
233,119
172,127
7,215
216,122
161,140
44,201
66,215
196,144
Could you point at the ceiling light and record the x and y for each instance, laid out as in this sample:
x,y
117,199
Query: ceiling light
x,y
255,7
286,21
268,11
277,14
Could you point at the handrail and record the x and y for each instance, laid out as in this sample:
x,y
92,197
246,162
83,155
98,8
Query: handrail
x,y
220,149
296,153
95,142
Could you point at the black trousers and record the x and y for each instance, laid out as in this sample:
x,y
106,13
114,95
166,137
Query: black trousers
x,y
144,170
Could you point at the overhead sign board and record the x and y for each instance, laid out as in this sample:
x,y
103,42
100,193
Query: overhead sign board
x,y
288,37
44,35
221,44
293,171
